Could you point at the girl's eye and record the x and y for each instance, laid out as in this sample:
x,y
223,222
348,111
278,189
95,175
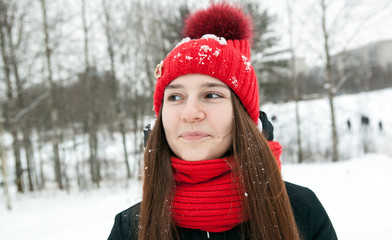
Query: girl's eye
x,y
213,95
173,98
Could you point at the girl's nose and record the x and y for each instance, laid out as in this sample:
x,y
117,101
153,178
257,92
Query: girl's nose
x,y
192,112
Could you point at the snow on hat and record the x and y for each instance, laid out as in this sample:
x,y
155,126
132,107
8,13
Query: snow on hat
x,y
217,44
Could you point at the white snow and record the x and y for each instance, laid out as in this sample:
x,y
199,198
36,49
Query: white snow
x,y
217,52
357,195
205,48
58,215
234,81
184,40
315,125
220,40
247,63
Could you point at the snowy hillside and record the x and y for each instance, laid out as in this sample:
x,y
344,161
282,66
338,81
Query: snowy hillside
x,y
356,194
315,126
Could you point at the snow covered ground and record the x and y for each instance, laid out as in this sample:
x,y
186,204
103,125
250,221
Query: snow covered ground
x,y
357,195
58,215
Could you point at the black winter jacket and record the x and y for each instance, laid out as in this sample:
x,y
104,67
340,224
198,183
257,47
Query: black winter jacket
x,y
311,218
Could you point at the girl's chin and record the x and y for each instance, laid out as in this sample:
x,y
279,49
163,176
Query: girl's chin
x,y
196,157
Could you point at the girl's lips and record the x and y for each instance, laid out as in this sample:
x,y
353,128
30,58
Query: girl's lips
x,y
193,136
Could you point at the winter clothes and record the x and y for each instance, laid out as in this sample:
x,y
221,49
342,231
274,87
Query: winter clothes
x,y
216,44
207,195
311,217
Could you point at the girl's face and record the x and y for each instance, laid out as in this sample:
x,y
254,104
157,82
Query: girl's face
x,y
197,115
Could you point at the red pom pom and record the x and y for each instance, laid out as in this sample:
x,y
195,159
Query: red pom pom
x,y
222,20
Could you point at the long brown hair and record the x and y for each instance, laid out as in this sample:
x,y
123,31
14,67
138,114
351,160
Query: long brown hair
x,y
266,203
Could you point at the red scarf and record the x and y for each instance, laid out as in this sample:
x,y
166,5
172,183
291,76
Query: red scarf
x,y
276,149
206,195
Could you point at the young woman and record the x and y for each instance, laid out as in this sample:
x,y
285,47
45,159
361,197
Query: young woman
x,y
209,171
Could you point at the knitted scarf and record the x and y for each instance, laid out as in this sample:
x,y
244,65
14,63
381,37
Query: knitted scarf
x,y
207,196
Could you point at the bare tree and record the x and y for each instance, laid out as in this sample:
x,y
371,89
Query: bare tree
x,y
53,101
13,45
294,77
329,79
154,29
339,23
92,108
119,111
4,166
7,14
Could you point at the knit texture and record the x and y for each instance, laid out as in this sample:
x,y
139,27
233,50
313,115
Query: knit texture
x,y
277,150
206,195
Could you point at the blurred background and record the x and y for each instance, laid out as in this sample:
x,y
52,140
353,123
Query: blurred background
x,y
76,87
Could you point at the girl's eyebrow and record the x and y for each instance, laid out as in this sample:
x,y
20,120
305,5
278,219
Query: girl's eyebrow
x,y
204,85
210,84
174,86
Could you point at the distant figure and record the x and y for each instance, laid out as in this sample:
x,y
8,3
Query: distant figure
x,y
349,125
365,133
380,126
274,118
365,121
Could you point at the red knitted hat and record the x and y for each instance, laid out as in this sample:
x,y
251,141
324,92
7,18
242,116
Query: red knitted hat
x,y
217,45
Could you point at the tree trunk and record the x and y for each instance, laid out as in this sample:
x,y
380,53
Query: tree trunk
x,y
119,112
21,105
53,101
94,164
9,107
4,167
295,85
91,120
124,142
18,163
28,155
331,87
136,129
